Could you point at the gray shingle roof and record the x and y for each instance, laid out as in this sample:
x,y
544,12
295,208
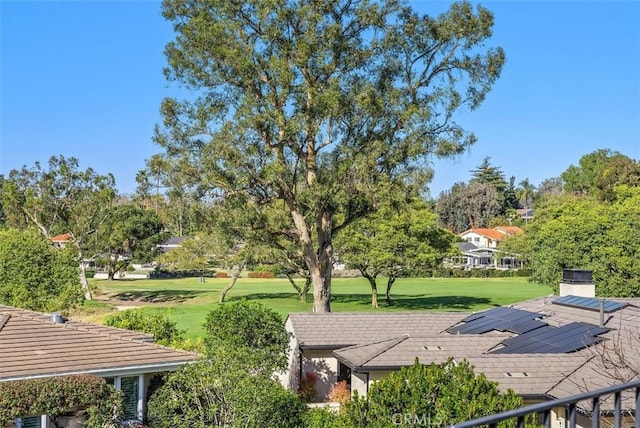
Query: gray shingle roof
x,y
31,345
386,341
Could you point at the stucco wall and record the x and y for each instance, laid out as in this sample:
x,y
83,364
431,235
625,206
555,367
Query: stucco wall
x,y
323,364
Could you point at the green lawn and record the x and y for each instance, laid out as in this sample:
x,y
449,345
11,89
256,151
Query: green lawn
x,y
187,301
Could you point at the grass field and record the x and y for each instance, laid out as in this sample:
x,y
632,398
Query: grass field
x,y
187,301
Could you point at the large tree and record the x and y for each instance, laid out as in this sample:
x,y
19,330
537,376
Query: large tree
x,y
394,242
581,232
60,199
129,234
327,106
35,275
468,205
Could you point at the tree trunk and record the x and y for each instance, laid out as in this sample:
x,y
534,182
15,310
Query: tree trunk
x,y
390,282
83,280
302,291
374,288
234,279
319,264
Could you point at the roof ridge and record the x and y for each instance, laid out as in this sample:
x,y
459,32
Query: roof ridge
x,y
4,317
395,341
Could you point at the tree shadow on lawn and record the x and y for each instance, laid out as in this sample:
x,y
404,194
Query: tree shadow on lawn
x,y
398,301
156,296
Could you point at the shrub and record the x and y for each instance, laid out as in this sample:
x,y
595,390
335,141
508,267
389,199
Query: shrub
x,y
261,275
164,330
250,331
339,393
307,389
58,395
222,275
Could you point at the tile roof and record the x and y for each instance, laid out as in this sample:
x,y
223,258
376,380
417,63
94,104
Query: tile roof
x,y
509,230
339,329
61,238
386,341
31,345
489,233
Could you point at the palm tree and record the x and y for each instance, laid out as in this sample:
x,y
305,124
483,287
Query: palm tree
x,y
526,192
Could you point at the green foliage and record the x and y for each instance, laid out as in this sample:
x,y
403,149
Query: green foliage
x,y
599,172
56,396
129,234
249,330
579,232
161,327
443,394
328,108
395,241
35,275
468,205
61,199
223,392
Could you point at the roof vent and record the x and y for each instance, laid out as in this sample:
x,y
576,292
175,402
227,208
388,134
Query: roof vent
x,y
517,374
57,318
433,348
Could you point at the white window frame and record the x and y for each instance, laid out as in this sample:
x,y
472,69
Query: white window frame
x,y
44,421
117,383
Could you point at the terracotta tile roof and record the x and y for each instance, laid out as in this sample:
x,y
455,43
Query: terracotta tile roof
x,y
31,345
65,237
489,233
497,233
509,230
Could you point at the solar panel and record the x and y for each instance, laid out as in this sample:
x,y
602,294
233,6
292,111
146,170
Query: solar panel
x,y
589,303
501,319
557,340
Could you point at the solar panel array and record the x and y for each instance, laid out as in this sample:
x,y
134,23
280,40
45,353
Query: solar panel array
x,y
589,303
501,319
533,335
557,340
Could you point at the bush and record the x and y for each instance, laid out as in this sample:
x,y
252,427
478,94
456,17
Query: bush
x,y
261,275
307,389
250,331
222,275
164,330
58,395
339,393
446,394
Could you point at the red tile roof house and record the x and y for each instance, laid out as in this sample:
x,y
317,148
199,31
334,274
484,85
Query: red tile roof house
x,y
545,348
35,345
486,242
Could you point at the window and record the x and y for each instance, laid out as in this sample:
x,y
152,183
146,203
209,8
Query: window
x,y
344,373
476,239
30,422
129,388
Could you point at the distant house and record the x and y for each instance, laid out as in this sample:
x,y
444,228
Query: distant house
x,y
483,248
545,348
61,241
36,345
171,243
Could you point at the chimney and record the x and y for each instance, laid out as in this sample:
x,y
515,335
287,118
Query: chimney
x,y
577,282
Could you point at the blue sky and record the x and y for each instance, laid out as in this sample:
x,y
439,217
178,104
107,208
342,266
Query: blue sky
x,y
84,79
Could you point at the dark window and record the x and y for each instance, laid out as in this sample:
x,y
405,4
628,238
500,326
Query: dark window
x,y
344,373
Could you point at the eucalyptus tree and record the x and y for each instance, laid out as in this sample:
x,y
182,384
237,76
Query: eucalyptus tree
x,y
327,106
61,198
468,205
